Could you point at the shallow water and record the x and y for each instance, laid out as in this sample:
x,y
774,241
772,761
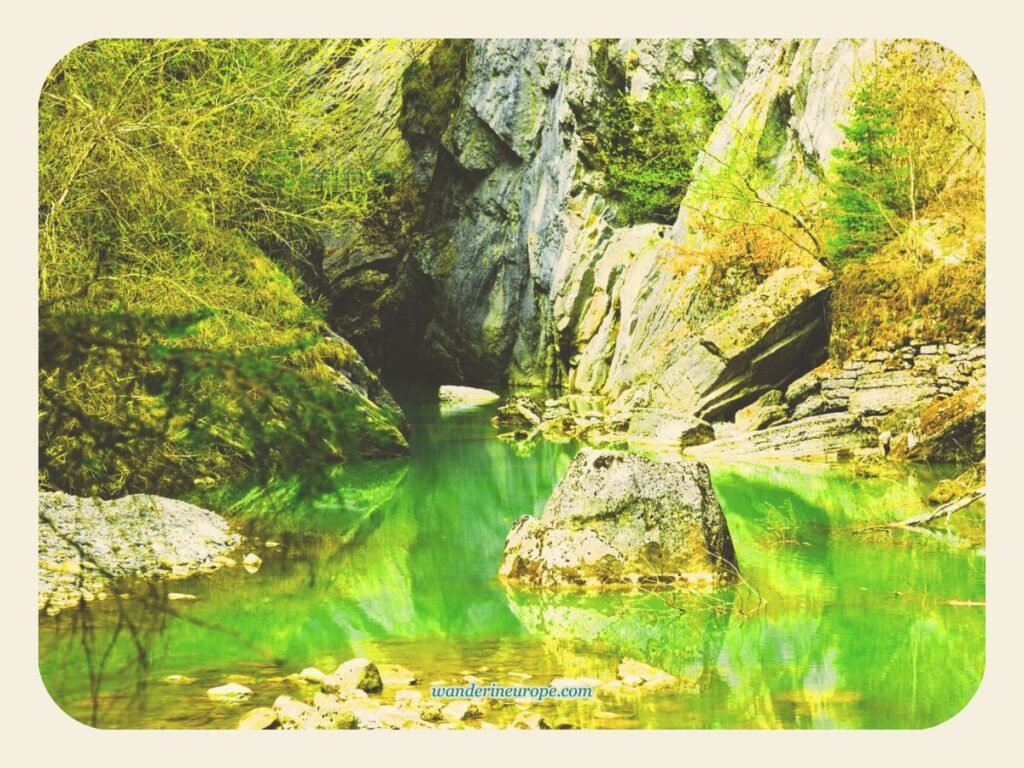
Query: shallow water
x,y
397,562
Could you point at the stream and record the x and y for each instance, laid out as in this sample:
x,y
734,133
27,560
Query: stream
x,y
396,561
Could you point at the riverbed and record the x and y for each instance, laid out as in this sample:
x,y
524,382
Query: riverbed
x,y
396,561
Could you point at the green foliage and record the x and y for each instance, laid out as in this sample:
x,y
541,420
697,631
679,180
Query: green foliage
x,y
870,190
430,88
156,410
171,346
649,146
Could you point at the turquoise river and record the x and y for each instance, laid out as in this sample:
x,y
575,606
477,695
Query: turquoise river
x,y
396,561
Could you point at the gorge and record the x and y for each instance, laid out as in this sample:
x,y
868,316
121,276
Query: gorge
x,y
614,363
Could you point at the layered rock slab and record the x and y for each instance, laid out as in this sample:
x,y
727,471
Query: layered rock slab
x,y
830,437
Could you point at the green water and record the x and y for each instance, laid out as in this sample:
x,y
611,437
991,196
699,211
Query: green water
x,y
397,563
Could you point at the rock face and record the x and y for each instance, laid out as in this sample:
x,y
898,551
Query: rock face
x,y
387,425
657,427
86,543
925,400
619,518
763,412
527,279
768,338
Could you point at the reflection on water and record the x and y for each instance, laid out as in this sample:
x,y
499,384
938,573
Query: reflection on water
x,y
397,561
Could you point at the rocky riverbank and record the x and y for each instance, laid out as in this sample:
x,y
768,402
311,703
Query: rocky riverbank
x,y
88,545
920,402
362,695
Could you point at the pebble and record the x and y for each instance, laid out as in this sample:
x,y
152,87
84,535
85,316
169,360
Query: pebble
x,y
230,692
312,675
179,680
395,675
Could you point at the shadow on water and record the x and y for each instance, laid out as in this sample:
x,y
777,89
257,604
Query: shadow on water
x,y
396,561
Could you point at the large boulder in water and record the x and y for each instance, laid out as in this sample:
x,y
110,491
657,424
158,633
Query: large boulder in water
x,y
86,544
620,518
452,396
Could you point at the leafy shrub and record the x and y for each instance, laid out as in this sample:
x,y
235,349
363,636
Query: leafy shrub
x,y
648,148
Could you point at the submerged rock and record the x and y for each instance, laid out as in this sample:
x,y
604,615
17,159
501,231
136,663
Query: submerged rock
x,y
519,411
179,680
619,518
529,721
458,711
395,675
946,491
229,692
635,673
259,719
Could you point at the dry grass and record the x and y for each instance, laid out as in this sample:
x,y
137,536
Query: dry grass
x,y
927,284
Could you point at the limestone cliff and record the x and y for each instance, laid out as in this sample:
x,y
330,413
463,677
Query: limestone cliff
x,y
519,268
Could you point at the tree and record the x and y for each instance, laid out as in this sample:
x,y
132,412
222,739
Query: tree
x,y
871,189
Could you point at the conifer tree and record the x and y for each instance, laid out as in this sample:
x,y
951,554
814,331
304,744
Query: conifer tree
x,y
869,190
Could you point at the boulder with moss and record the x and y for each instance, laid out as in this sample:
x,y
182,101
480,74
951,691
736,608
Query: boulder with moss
x,y
949,430
617,518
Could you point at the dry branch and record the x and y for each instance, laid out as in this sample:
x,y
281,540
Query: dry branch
x,y
945,510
